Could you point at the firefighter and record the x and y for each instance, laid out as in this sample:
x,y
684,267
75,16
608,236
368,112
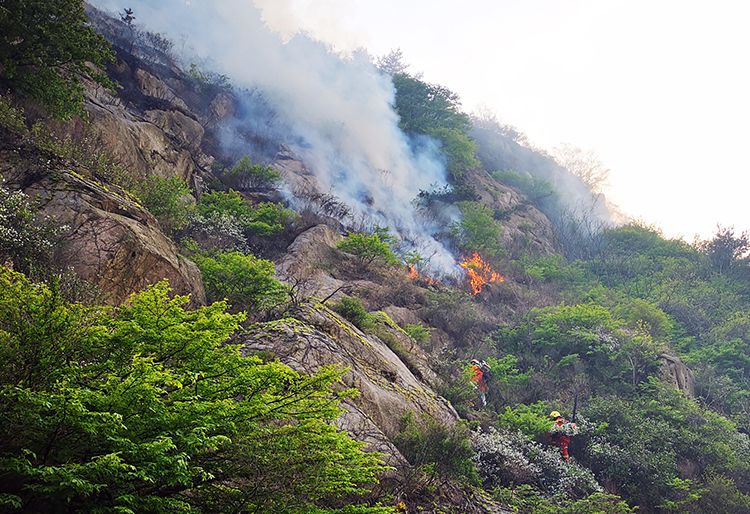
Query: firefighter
x,y
557,436
479,377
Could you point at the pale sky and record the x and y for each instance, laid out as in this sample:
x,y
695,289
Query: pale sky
x,y
659,89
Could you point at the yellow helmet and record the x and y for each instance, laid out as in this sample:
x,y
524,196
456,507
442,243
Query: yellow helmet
x,y
554,414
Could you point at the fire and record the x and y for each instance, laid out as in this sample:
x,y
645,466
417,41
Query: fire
x,y
423,279
480,273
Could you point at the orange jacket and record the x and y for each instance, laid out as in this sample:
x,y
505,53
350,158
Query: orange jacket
x,y
478,377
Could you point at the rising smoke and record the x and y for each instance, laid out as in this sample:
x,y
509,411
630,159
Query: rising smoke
x,y
335,111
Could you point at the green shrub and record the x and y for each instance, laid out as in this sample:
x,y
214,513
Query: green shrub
x,y
459,149
244,280
264,219
368,249
478,230
245,175
532,420
418,332
354,310
142,408
441,450
169,200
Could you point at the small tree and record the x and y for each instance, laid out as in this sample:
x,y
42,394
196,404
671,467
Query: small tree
x,y
169,200
368,249
354,310
244,280
478,230
245,175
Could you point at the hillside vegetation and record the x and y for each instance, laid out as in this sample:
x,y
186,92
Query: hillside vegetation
x,y
181,330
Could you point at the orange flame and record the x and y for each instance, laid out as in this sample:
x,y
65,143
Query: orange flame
x,y
416,276
480,273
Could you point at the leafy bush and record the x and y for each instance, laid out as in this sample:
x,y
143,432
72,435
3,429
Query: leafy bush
x,y
146,408
444,451
459,149
244,280
44,47
354,310
264,219
25,239
170,200
245,175
532,420
217,231
478,230
368,249
418,332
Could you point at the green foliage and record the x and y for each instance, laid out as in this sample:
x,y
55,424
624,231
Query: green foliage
x,y
526,499
170,200
146,408
26,239
418,332
354,310
535,188
44,46
532,420
478,230
459,149
263,219
424,107
244,280
640,314
438,449
435,111
566,341
245,175
368,248
11,117
643,443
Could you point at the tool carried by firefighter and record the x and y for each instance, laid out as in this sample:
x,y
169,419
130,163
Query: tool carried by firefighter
x,y
561,432
480,377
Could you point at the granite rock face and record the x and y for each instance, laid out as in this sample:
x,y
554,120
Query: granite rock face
x,y
109,240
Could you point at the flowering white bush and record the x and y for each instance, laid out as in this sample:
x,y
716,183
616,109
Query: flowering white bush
x,y
218,230
507,458
25,240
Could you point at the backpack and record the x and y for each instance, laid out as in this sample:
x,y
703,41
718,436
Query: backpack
x,y
486,371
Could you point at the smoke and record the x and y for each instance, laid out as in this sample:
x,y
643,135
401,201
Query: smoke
x,y
334,111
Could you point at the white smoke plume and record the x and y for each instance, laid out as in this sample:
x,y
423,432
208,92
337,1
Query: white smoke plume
x,y
338,109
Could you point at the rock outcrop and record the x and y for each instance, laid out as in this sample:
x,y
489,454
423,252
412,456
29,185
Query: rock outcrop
x,y
675,373
388,389
109,240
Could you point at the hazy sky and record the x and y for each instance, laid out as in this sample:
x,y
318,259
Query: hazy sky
x,y
660,89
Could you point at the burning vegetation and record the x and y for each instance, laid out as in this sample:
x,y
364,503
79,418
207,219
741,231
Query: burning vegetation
x,y
480,273
420,278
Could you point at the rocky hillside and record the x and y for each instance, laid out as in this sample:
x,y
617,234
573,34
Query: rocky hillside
x,y
326,308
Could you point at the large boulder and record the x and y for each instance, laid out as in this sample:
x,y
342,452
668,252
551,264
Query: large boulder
x,y
109,239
